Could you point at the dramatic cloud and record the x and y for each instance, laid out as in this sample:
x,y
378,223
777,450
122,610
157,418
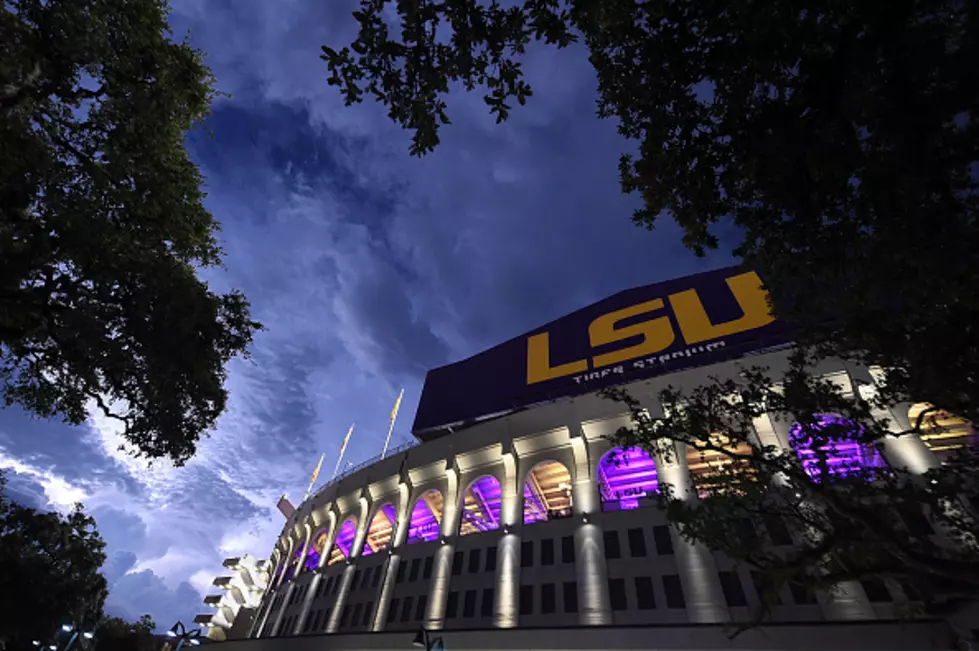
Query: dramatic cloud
x,y
366,266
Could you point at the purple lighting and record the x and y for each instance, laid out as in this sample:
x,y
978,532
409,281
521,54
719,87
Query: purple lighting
x,y
344,541
481,510
425,518
835,436
380,531
624,477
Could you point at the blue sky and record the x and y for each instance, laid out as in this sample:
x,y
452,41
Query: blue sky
x,y
367,267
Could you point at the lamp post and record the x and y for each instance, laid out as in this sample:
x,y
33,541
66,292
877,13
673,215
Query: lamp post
x,y
423,641
190,637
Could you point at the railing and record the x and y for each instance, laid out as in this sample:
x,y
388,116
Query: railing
x,y
360,466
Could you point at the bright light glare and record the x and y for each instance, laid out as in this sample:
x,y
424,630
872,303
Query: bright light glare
x,y
65,628
88,635
195,642
172,633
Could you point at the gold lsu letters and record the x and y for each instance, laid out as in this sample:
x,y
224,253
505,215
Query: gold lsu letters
x,y
657,334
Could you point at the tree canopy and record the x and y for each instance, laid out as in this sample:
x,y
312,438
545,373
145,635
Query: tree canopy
x,y
49,573
102,225
841,138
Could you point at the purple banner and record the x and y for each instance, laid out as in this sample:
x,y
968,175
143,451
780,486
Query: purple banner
x,y
643,332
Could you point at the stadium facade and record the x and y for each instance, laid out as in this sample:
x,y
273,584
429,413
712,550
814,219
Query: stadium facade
x,y
509,525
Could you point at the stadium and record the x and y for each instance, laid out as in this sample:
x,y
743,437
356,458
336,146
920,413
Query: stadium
x,y
507,525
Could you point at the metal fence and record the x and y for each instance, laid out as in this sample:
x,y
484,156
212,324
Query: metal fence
x,y
363,464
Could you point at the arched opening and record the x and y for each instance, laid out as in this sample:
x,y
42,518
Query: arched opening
x,y
380,531
481,508
713,471
426,517
344,541
316,549
293,567
547,493
832,446
945,434
625,477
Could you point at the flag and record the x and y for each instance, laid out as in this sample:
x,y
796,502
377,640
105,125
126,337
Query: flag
x,y
346,440
397,404
316,473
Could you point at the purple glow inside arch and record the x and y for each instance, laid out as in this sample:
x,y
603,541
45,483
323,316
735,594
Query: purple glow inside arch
x,y
844,456
344,542
625,477
481,509
426,516
388,513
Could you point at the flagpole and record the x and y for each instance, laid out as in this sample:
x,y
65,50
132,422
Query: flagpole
x,y
316,473
394,416
343,449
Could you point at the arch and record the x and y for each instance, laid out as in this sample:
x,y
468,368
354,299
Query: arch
x,y
833,443
316,546
426,517
713,471
344,541
945,434
380,530
624,477
481,506
547,492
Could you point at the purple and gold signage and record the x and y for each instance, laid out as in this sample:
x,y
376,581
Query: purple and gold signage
x,y
636,334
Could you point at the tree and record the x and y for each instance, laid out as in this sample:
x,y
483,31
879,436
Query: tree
x,y
49,573
845,515
103,230
841,138
115,633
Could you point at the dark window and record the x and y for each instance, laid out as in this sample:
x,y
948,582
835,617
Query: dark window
x,y
664,543
733,591
469,604
547,552
765,588
427,571
491,559
876,590
746,532
402,570
367,577
526,600
326,616
368,611
612,545
376,577
329,585
527,553
567,549
356,614
547,598
777,531
457,563
674,591
637,543
486,609
355,583
393,610
452,605
317,617
416,565
645,598
802,594
319,588
345,616
420,608
616,594
570,597
336,584
406,609
475,556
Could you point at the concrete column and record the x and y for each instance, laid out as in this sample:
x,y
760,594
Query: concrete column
x,y
282,610
506,611
438,591
307,602
270,598
345,581
594,606
695,562
394,556
348,573
299,569
908,451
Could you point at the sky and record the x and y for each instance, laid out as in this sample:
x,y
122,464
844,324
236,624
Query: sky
x,y
366,266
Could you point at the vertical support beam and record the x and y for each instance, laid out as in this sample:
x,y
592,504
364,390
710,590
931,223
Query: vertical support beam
x,y
307,603
394,555
439,588
348,572
506,610
270,593
299,568
289,589
594,606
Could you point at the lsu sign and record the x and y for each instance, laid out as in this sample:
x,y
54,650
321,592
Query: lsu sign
x,y
639,333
